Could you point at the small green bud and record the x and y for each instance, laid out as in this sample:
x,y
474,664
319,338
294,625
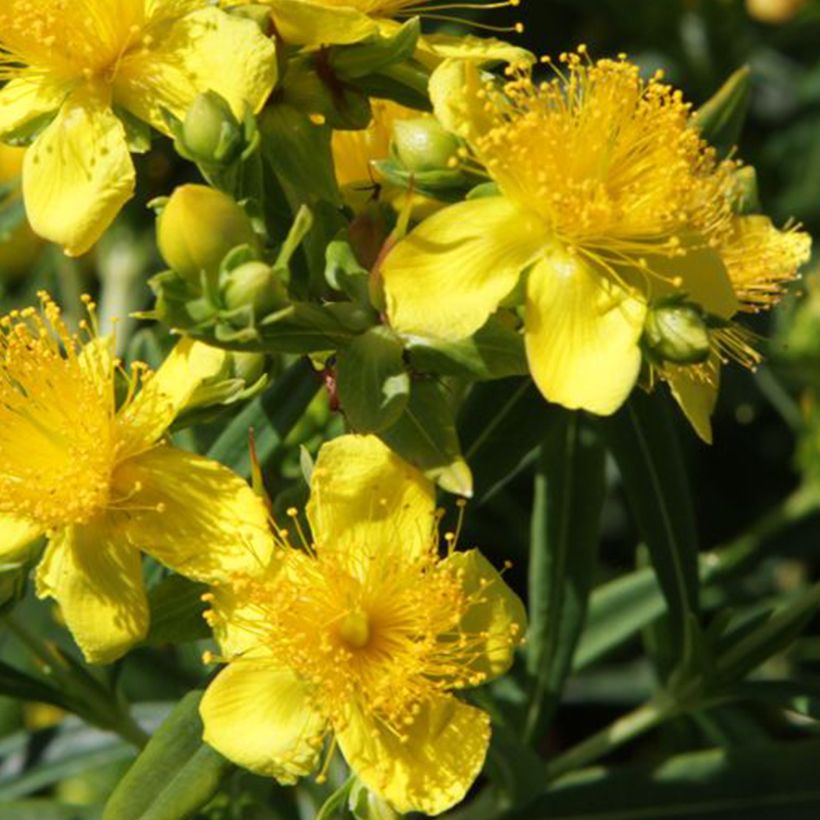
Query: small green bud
x,y
423,144
250,367
198,227
211,133
677,333
253,285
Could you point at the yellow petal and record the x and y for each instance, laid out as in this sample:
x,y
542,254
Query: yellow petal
x,y
702,276
78,174
302,22
496,622
26,98
364,496
240,621
761,259
696,397
260,717
457,94
450,274
166,392
15,536
96,578
192,514
433,48
433,768
582,334
198,53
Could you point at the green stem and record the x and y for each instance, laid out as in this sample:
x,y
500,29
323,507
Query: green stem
x,y
626,728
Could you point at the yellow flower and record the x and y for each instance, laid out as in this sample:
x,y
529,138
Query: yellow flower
x,y
99,480
89,68
364,633
315,23
610,201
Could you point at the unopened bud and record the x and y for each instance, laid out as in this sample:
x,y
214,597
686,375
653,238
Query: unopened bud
x,y
211,132
253,285
250,367
198,227
423,144
677,333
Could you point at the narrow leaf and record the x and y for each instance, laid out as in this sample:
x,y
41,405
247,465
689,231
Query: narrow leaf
x,y
569,496
642,438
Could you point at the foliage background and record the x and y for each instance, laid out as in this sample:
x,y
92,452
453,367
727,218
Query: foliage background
x,y
766,451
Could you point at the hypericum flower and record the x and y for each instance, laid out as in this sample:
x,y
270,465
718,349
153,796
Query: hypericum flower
x,y
315,23
97,477
91,67
609,200
364,632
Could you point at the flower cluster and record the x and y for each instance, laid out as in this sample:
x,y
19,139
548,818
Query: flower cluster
x,y
406,213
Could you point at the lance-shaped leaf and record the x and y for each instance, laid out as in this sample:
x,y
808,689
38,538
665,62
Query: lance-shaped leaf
x,y
501,424
642,438
425,435
373,382
720,119
496,351
774,781
569,496
175,775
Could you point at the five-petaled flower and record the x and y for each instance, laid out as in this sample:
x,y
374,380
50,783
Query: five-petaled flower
x,y
610,202
97,477
363,632
83,75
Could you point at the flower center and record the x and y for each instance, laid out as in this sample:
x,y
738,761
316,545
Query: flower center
x,y
354,629
57,441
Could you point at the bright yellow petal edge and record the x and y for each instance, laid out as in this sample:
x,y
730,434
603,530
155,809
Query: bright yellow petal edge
x,y
365,636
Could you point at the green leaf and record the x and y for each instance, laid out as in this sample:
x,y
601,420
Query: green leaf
x,y
720,119
642,438
618,610
496,351
175,775
501,424
569,497
176,611
273,415
744,655
425,435
373,383
762,782
46,810
376,53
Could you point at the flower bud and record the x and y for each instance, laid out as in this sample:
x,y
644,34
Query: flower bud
x,y
250,367
677,333
253,285
211,133
423,144
198,227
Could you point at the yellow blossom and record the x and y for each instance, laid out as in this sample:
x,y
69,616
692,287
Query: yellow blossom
x,y
97,477
363,633
315,23
610,201
85,71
